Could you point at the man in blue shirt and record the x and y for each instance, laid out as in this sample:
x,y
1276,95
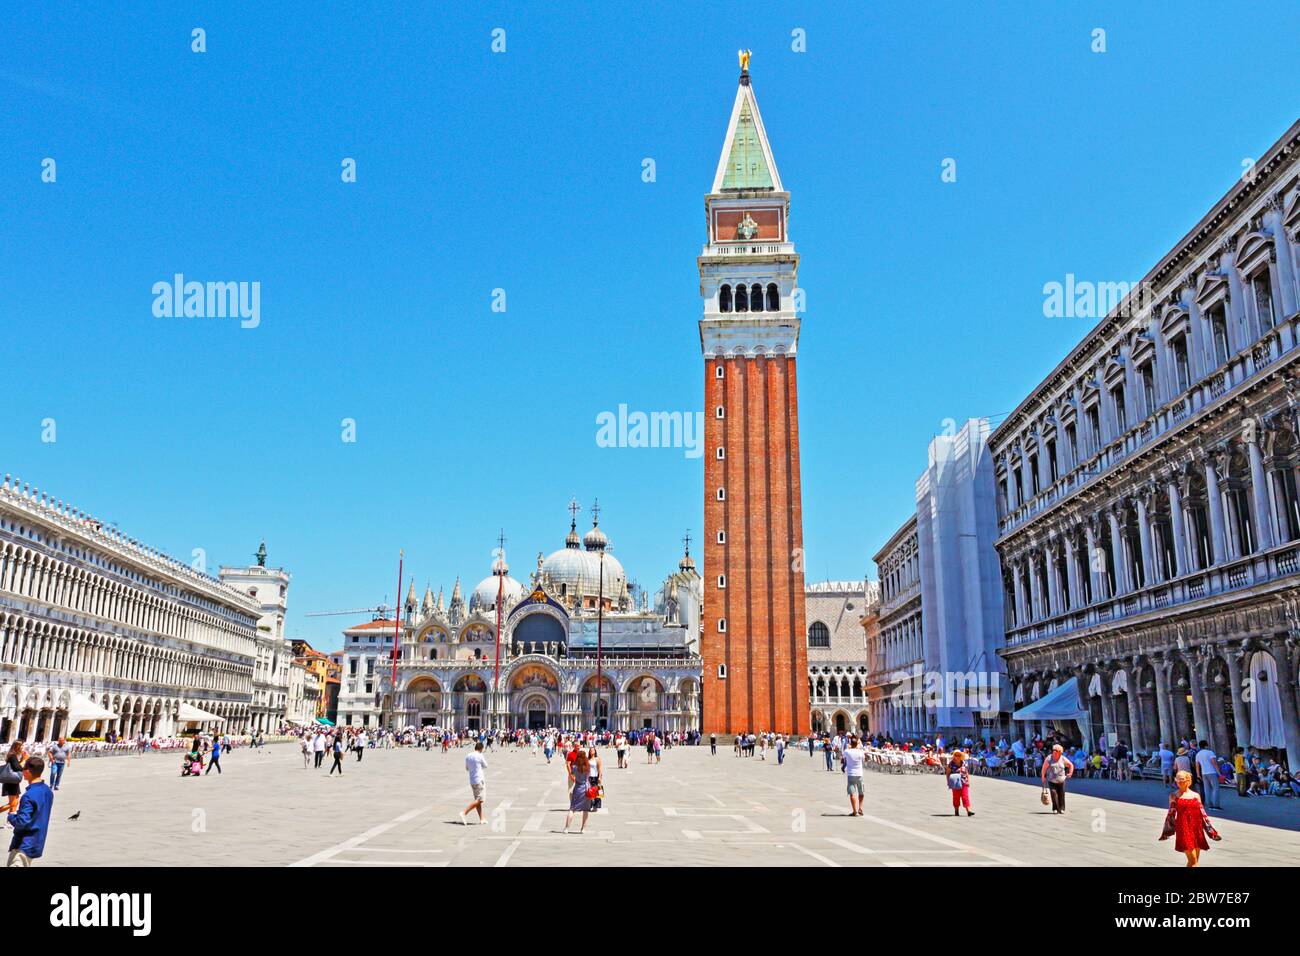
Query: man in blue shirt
x,y
215,761
32,821
58,756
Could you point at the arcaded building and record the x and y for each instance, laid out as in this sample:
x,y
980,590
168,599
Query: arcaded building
x,y
838,615
1149,522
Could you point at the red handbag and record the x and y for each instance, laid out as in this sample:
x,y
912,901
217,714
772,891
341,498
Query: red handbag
x,y
593,792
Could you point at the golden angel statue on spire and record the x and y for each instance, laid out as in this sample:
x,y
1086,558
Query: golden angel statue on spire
x,y
743,56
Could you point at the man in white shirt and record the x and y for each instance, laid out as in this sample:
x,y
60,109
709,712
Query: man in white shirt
x,y
360,744
854,758
476,764
318,747
1018,752
1207,768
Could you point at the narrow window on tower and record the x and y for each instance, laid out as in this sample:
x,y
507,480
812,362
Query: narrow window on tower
x,y
722,672
722,625
773,298
756,298
721,453
724,299
722,537
722,494
722,580
742,299
717,371
719,412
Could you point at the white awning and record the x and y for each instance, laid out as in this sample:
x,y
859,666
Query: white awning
x,y
1020,693
83,708
1120,684
1094,686
1060,704
189,712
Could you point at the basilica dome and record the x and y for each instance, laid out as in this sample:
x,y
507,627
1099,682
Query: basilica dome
x,y
572,572
484,597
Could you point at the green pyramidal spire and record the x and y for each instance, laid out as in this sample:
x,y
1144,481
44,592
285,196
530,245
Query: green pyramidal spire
x,y
746,165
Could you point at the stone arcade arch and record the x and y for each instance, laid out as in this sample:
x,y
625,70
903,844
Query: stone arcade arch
x,y
534,692
469,695
644,701
424,699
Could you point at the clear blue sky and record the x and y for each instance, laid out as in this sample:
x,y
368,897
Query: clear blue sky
x,y
522,171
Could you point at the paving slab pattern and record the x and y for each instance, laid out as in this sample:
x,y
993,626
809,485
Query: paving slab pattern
x,y
400,808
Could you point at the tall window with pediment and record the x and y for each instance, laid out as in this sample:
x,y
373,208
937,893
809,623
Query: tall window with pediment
x,y
1236,499
1121,412
1164,562
1288,502
1083,564
1182,370
1094,429
1198,523
1219,333
1147,375
1133,545
1262,287
1109,549
1062,580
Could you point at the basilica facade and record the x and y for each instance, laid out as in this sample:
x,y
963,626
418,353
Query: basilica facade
x,y
580,648
1149,521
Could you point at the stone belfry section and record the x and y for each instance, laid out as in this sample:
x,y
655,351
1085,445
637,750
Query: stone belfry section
x,y
753,645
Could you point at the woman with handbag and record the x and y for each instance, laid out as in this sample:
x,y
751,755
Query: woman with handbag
x,y
1056,770
959,783
579,773
1188,821
595,773
13,776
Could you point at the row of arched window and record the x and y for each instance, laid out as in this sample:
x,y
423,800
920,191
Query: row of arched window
x,y
743,298
30,643
48,579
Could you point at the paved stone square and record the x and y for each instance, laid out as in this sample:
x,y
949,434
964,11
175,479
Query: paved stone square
x,y
399,807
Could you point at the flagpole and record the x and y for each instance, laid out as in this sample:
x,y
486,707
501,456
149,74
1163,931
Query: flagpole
x,y
496,670
499,569
397,631
600,619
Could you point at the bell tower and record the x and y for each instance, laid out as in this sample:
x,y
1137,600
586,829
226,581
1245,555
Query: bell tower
x,y
753,641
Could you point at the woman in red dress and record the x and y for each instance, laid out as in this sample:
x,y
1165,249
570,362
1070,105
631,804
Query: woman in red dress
x,y
1187,820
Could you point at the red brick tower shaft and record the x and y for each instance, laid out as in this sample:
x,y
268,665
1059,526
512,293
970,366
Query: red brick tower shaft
x,y
753,645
